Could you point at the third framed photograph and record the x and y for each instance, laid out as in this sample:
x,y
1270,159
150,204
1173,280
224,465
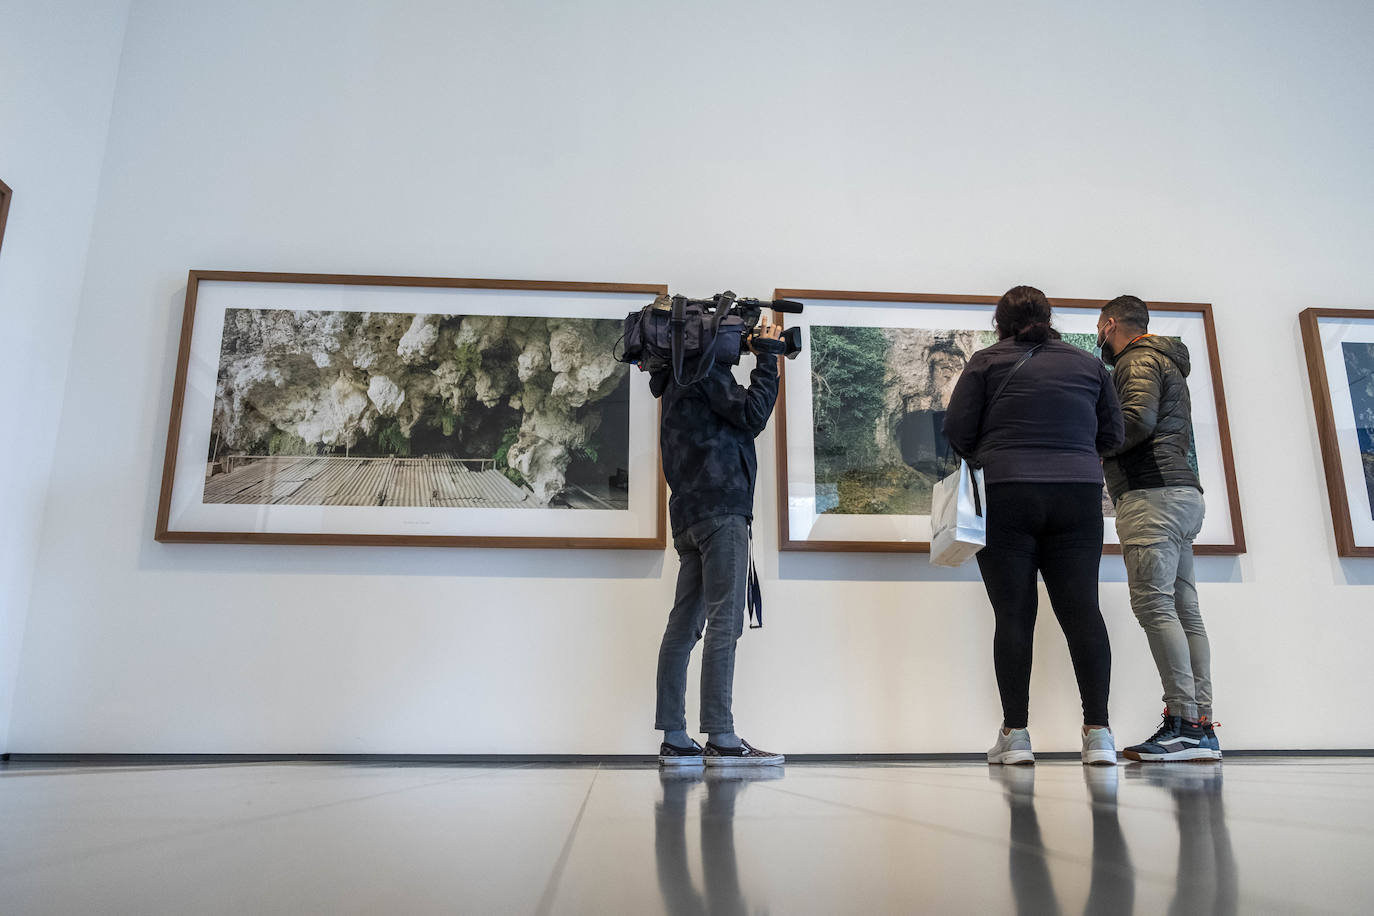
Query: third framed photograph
x,y
1339,344
5,195
860,443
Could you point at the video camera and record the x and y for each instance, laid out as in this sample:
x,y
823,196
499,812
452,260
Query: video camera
x,y
676,331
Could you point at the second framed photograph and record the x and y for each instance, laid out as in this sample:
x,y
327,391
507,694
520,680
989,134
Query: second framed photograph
x,y
327,409
860,441
1339,344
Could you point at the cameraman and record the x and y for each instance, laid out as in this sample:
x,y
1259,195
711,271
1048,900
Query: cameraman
x,y
707,440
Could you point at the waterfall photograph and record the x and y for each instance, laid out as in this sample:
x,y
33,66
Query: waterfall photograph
x,y
878,399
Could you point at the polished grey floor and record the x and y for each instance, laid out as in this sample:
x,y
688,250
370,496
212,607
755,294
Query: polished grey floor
x,y
1247,836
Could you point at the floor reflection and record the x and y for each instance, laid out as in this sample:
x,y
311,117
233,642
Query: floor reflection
x,y
1207,876
1207,879
720,892
1112,887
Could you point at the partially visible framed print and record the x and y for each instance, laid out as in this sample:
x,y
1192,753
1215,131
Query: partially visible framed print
x,y
1339,344
5,195
860,443
335,409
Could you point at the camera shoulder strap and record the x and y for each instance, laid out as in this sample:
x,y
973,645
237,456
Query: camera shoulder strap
x,y
707,357
677,322
753,601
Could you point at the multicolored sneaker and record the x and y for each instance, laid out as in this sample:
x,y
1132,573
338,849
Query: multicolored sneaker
x,y
1176,739
1209,736
670,755
745,755
1013,746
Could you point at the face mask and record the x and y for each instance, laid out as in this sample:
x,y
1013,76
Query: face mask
x,y
1103,350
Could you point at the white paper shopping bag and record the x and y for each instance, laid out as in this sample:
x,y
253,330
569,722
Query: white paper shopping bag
x,y
958,519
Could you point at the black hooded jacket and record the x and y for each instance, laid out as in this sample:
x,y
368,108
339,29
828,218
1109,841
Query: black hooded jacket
x,y
1150,375
707,440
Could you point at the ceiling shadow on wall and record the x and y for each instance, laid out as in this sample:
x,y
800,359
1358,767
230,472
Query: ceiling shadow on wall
x,y
449,562
866,567
1354,570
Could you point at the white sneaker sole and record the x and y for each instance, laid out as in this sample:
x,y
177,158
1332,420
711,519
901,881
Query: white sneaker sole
x,y
773,761
1192,753
1011,758
679,762
1099,758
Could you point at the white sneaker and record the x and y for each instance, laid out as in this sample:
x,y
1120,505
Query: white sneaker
x,y
1012,747
1099,747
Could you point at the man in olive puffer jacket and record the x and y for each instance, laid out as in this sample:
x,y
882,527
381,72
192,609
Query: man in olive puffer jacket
x,y
1159,510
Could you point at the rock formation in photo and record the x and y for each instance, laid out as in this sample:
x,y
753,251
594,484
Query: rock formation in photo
x,y
330,380
921,369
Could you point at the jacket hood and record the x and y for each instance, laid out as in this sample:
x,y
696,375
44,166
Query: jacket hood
x,y
1171,347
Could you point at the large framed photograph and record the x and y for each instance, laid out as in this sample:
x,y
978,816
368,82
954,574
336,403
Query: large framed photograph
x,y
1339,344
329,409
860,443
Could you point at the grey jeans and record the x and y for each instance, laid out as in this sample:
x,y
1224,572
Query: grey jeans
x,y
711,581
1157,528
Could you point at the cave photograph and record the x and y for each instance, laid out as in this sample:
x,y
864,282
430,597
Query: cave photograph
x,y
323,408
878,407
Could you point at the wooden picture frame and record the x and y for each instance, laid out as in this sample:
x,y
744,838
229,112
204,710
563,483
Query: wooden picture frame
x,y
1230,539
237,319
1346,462
6,194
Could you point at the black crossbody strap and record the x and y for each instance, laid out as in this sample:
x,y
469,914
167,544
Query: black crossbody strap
x,y
1003,387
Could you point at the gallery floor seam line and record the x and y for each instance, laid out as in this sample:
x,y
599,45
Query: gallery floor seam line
x,y
545,906
993,788
1130,871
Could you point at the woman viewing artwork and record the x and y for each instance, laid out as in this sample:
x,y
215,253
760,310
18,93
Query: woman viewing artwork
x,y
1036,413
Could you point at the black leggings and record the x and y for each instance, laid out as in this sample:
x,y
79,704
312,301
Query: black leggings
x,y
1055,529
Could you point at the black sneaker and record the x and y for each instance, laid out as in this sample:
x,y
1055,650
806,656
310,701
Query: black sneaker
x,y
1177,739
742,756
1209,736
670,755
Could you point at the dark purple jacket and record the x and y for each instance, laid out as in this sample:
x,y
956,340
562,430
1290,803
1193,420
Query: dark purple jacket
x,y
1055,419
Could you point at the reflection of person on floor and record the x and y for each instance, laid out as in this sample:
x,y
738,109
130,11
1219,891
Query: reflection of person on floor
x,y
1112,887
719,863
670,842
1207,877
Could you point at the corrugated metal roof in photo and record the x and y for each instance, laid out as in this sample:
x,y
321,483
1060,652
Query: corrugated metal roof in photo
x,y
333,481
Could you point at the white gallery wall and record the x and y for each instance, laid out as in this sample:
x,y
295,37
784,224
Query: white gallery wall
x,y
1200,152
58,62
